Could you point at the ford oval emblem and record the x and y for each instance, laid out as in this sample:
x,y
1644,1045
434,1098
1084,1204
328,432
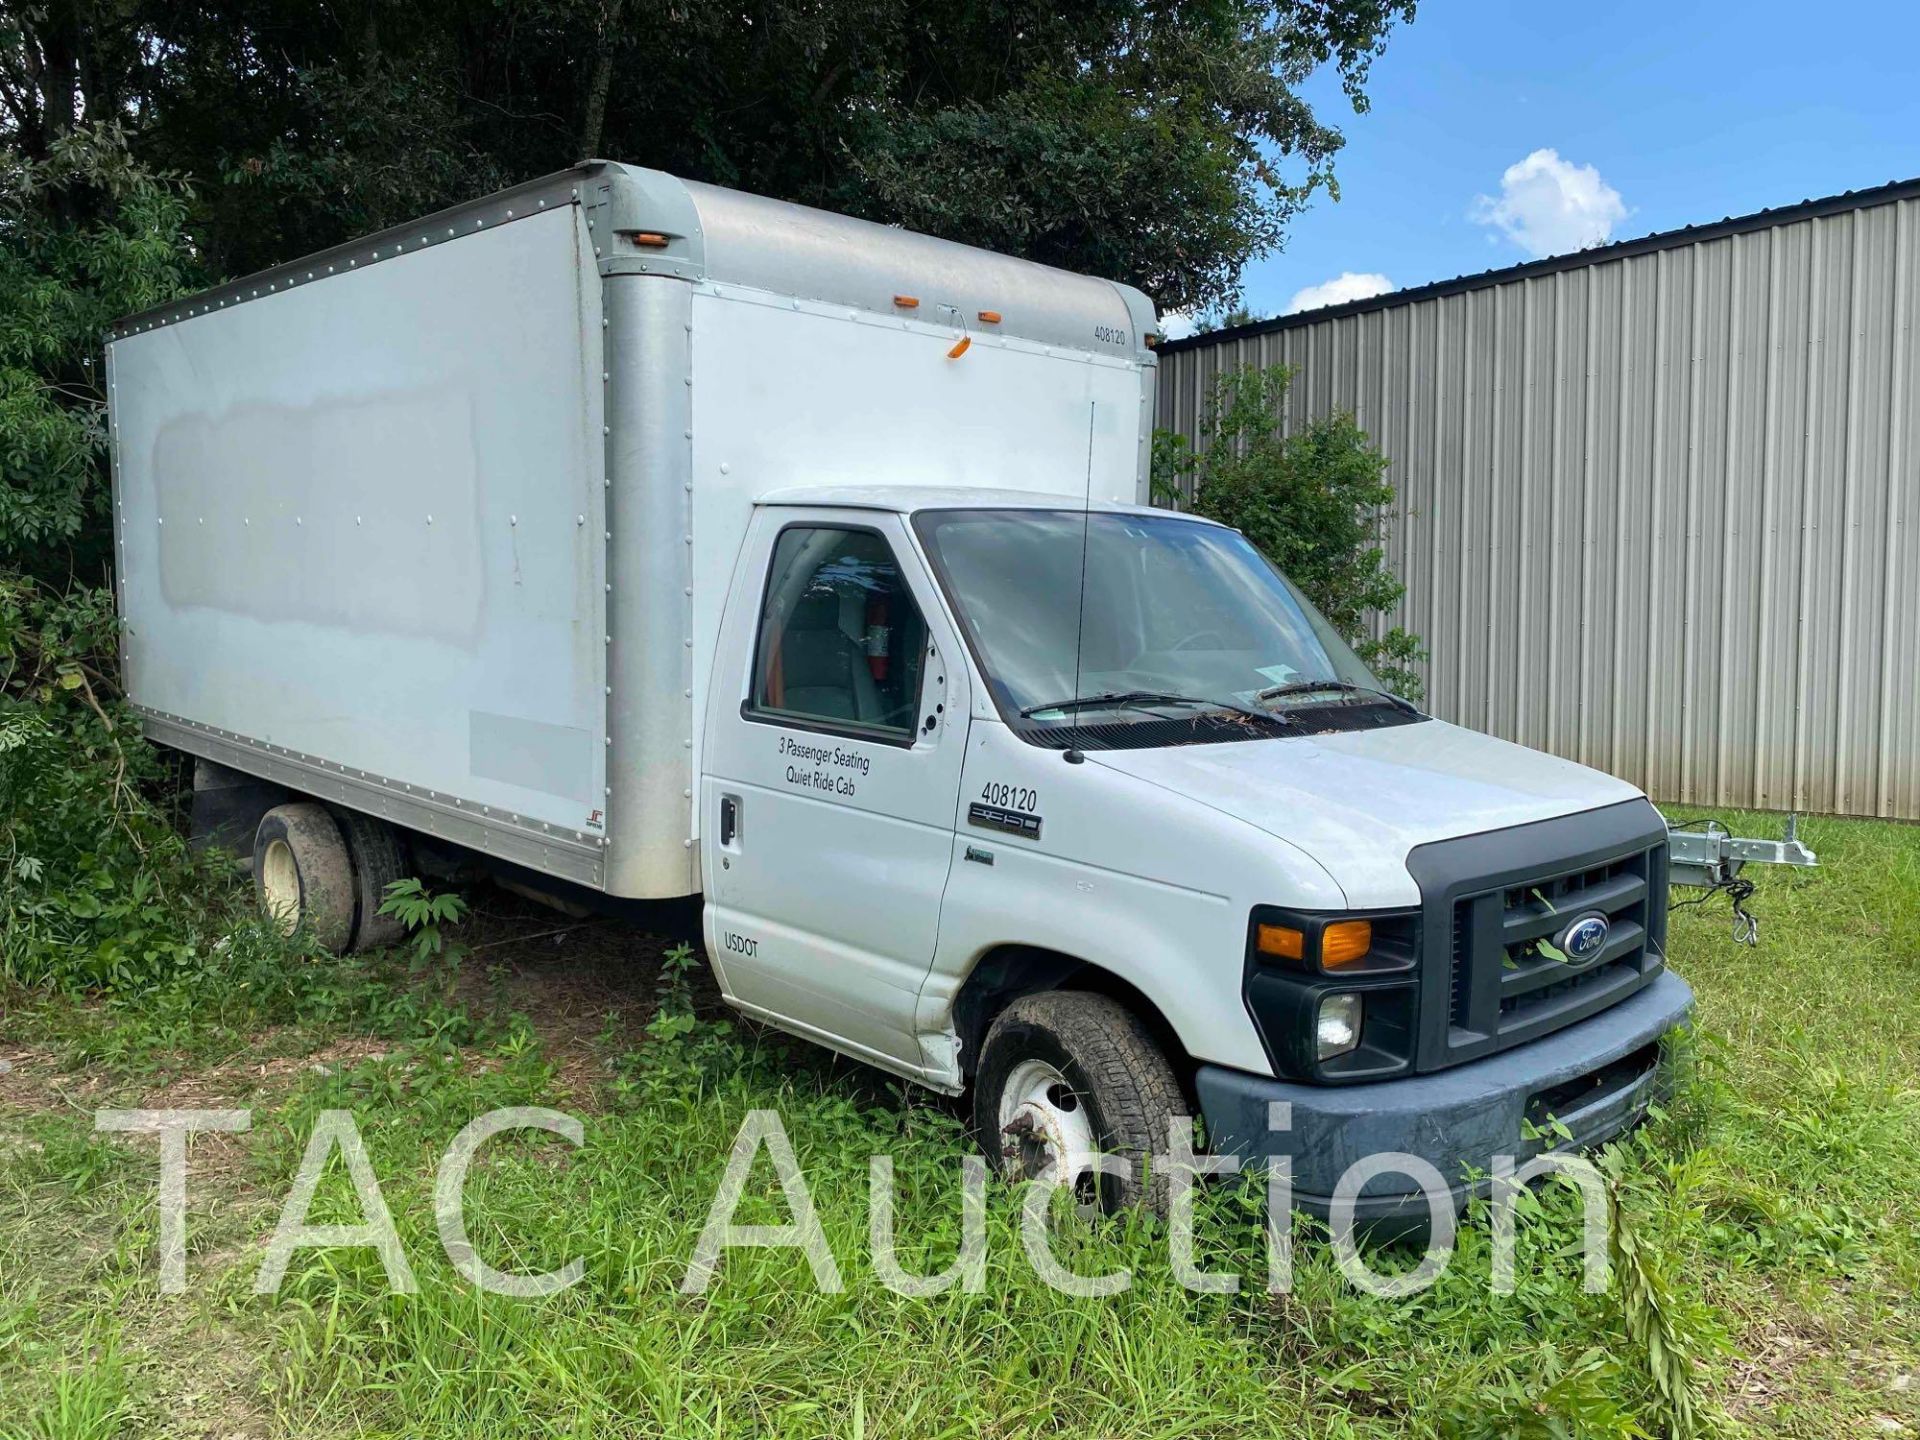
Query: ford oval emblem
x,y
1582,939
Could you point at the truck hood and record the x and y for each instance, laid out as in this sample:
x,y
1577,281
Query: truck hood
x,y
1358,802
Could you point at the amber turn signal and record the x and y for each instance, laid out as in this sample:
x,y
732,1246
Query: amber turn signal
x,y
1283,941
960,349
652,239
1344,942
989,317
907,302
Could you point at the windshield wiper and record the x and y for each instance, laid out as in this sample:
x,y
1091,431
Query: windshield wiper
x,y
1347,687
1150,697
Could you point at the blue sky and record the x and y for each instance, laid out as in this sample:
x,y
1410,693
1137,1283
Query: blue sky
x,y
1657,116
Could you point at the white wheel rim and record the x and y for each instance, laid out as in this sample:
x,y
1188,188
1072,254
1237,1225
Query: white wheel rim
x,y
1046,1132
280,883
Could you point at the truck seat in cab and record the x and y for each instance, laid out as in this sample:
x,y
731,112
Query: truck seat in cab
x,y
824,669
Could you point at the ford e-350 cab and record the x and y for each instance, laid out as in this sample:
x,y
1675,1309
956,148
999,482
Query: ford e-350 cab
x,y
1167,842
642,540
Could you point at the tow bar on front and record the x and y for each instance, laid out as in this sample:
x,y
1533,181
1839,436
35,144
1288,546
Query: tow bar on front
x,y
1711,858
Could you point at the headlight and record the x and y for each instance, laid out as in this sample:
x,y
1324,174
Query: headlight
x,y
1333,993
1338,1029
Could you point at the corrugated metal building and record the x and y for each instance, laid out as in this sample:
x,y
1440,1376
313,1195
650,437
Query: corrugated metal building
x,y
1658,503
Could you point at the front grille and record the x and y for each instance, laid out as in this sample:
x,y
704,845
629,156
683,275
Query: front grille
x,y
1500,989
1503,983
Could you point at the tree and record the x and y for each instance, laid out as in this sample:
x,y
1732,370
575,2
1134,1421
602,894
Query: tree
x,y
1311,501
1162,142
86,236
1209,322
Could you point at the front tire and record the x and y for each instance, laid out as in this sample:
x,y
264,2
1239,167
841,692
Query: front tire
x,y
1066,1073
302,872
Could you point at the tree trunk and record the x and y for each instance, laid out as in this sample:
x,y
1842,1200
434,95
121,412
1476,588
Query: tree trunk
x,y
602,81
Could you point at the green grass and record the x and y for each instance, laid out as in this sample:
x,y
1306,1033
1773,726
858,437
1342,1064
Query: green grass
x,y
1770,1223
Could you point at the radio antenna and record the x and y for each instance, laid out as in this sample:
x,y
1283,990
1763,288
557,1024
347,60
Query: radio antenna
x,y
1080,623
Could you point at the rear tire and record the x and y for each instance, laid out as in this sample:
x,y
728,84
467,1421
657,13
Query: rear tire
x,y
1069,1070
302,873
379,857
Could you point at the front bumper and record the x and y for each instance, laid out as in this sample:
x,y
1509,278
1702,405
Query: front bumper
x,y
1597,1077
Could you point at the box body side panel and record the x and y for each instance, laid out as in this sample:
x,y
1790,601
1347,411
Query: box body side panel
x,y
362,528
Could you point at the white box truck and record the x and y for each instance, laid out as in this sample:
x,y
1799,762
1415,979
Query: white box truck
x,y
645,539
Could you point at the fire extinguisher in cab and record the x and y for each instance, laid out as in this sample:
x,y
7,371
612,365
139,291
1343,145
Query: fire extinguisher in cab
x,y
878,634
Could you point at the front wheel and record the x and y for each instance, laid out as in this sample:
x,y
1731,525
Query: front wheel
x,y
1067,1074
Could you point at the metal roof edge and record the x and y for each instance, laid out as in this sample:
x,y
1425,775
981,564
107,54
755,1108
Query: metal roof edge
x,y
562,188
1846,200
717,233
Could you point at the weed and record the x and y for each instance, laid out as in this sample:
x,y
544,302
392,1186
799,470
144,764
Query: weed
x,y
422,913
90,1401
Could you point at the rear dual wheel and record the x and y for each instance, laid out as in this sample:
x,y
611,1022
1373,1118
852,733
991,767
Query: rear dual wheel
x,y
330,872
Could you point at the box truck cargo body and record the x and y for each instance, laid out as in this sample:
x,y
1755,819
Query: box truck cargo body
x,y
665,541
440,522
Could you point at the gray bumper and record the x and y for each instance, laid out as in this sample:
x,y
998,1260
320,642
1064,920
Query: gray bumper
x,y
1597,1077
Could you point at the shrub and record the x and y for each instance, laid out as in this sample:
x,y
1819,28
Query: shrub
x,y
87,866
94,879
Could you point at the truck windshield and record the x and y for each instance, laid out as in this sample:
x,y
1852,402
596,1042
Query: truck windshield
x,y
1180,620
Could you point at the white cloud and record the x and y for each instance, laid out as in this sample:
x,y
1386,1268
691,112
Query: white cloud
x,y
1176,325
1548,206
1338,291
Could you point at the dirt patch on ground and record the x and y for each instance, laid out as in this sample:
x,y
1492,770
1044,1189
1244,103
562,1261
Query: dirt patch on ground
x,y
39,1079
1787,1365
205,1380
26,1076
587,986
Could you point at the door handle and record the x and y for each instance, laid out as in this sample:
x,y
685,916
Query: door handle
x,y
729,819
